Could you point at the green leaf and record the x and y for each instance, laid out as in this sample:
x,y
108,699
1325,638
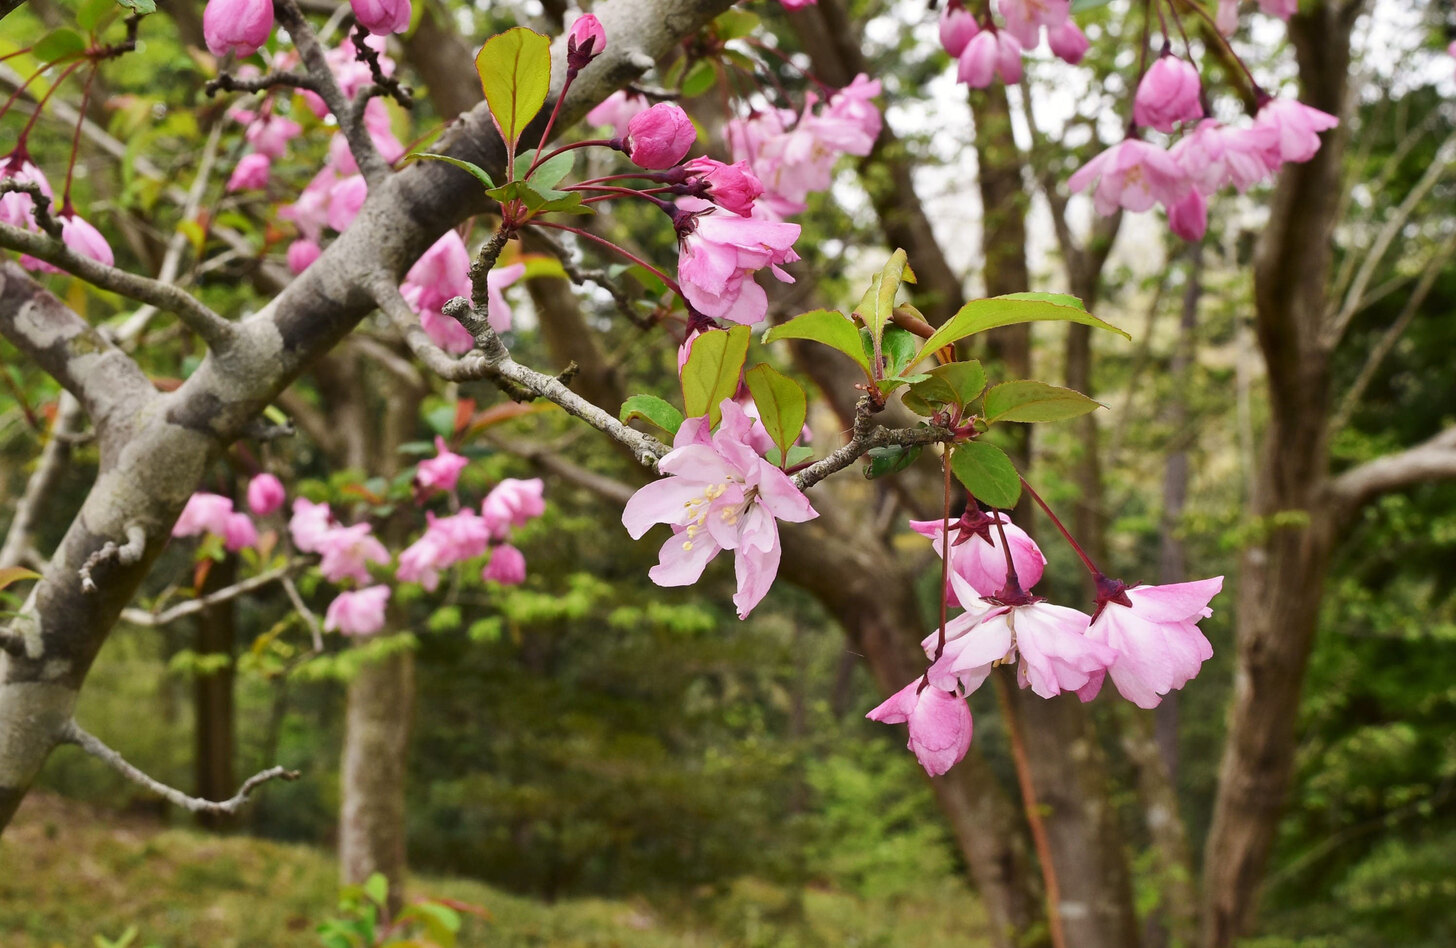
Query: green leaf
x,y
480,173
377,888
898,347
735,23
515,75
702,77
981,315
798,454
711,372
987,473
890,460
15,574
59,44
91,12
896,270
553,170
1029,400
140,7
656,410
955,383
828,326
1079,6
782,406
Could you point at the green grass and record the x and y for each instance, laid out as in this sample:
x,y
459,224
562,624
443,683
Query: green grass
x,y
69,872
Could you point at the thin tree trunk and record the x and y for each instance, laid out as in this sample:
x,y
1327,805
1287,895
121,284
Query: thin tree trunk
x,y
214,728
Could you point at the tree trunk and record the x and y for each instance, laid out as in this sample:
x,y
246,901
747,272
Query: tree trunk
x,y
214,744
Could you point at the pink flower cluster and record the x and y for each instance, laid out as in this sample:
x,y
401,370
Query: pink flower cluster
x,y
985,53
442,273
268,136
241,27
18,210
466,535
719,495
345,553
214,514
1145,637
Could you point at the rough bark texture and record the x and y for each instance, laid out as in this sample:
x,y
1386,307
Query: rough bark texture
x,y
214,744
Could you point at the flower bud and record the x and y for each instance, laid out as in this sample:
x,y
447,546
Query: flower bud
x,y
85,240
586,41
251,174
1067,42
1189,217
265,494
660,137
507,566
240,27
301,253
1168,93
957,28
382,17
732,187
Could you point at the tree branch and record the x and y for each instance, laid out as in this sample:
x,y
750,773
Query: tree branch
x,y
193,606
1431,460
42,482
868,436
72,733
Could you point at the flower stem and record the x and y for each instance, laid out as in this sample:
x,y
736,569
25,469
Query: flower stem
x,y
667,280
1077,547
555,111
944,553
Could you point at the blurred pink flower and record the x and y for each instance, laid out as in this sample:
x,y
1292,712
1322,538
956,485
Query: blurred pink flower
x,y
360,612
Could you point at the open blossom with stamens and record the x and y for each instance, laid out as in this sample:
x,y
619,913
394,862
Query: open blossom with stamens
x,y
720,252
1132,174
719,495
360,612
1154,631
940,724
976,554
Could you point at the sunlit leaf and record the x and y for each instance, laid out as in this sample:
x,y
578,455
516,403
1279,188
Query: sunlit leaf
x,y
981,315
828,326
711,372
1029,400
987,473
515,75
658,411
782,406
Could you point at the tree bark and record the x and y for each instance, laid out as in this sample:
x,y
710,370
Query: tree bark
x,y
215,746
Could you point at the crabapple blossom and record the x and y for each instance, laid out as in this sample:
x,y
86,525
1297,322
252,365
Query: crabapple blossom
x,y
660,137
720,252
345,200
1025,18
265,494
732,187
1067,41
84,239
1154,631
585,41
990,54
1283,9
251,173
940,724
347,550
204,513
507,566
238,531
309,524
1132,174
440,472
240,27
976,554
1214,154
357,612
271,134
1189,217
302,253
957,26
16,207
1297,127
512,503
445,542
617,110
1168,94
718,495
382,17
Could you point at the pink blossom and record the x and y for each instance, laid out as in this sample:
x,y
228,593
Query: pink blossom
x,y
382,17
1132,174
309,524
84,239
442,272
720,252
1154,631
1189,217
850,122
585,42
976,554
797,4
1213,155
16,207
265,494
1283,9
1025,18
422,560
445,542
271,134
1168,94
990,54
957,26
381,132
347,550
719,495
500,315
507,566
732,187
940,724
251,173
360,612
1226,20
310,213
345,200
512,503
617,110
204,513
1297,127
238,531
661,136
302,253
1067,41
240,27
440,472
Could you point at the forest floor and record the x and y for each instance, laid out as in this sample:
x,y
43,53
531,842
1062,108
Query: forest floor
x,y
73,876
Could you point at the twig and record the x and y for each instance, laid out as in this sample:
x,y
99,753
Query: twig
x,y
304,612
42,481
40,204
227,82
194,606
581,275
867,436
72,733
126,554
383,85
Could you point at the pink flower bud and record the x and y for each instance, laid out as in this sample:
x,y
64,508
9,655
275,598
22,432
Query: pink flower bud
x,y
204,513
586,41
1067,42
240,27
382,17
238,531
1189,217
1168,94
989,55
507,566
85,240
661,136
301,253
251,174
265,494
957,28
732,187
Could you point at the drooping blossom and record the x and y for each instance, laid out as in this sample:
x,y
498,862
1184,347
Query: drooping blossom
x,y
719,495
310,210
1168,94
989,55
240,27
442,273
617,110
204,513
440,472
251,173
1025,18
1154,632
585,41
1132,174
507,566
1297,127
357,612
976,554
445,542
721,251
660,137
1189,217
511,504
1214,154
301,254
16,207
939,722
382,17
1067,42
271,134
346,551
350,73
732,187
957,26
238,532
309,523
84,239
265,494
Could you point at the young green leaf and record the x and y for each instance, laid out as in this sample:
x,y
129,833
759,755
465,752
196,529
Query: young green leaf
x,y
890,460
1029,400
965,379
798,454
515,75
897,270
702,77
898,347
656,410
711,372
987,473
59,44
14,574
478,172
553,170
141,7
782,406
981,315
828,326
